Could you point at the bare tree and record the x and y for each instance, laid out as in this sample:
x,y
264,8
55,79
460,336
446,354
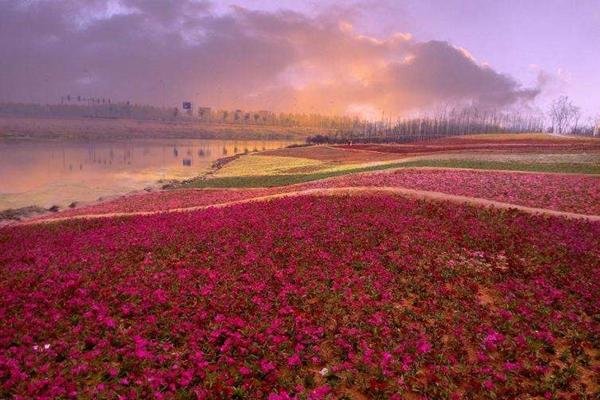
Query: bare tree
x,y
595,124
565,115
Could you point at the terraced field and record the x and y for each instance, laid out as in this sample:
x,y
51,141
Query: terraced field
x,y
370,278
516,152
560,192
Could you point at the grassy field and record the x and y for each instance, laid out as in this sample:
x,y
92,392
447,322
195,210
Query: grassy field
x,y
525,152
332,154
248,181
508,166
252,165
592,157
271,180
574,193
304,160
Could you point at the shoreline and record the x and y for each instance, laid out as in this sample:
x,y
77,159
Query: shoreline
x,y
11,216
16,215
61,128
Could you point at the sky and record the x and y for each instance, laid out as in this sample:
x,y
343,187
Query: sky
x,y
363,57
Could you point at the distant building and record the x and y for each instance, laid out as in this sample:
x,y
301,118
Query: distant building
x,y
265,116
237,115
204,114
223,115
187,106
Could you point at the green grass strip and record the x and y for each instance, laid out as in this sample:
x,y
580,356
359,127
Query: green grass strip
x,y
277,180
283,180
508,166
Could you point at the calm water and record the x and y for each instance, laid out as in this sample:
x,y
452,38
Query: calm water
x,y
50,173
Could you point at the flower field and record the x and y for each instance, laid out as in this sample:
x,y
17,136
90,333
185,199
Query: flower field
x,y
560,192
303,298
165,200
492,143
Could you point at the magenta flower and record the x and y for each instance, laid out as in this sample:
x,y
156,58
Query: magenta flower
x,y
229,302
423,346
294,360
266,366
493,339
320,393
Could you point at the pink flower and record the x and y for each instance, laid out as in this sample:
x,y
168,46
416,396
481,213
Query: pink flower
x,y
280,396
160,296
511,366
266,366
186,377
140,347
488,384
303,305
423,346
492,339
294,360
319,393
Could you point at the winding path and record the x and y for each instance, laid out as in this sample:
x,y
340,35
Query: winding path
x,y
360,190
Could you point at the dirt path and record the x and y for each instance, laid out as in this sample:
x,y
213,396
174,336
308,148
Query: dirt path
x,y
300,191
410,193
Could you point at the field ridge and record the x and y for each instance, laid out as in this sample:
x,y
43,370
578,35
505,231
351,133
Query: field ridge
x,y
350,190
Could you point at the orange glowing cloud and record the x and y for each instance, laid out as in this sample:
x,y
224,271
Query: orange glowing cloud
x,y
282,61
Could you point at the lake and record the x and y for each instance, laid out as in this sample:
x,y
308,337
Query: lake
x,y
48,173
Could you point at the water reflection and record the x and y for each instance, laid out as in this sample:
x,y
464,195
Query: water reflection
x,y
48,172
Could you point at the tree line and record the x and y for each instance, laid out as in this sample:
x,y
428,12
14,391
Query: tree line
x,y
203,115
442,123
562,118
567,120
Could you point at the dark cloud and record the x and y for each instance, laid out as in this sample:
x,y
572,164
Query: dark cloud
x,y
161,52
436,70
